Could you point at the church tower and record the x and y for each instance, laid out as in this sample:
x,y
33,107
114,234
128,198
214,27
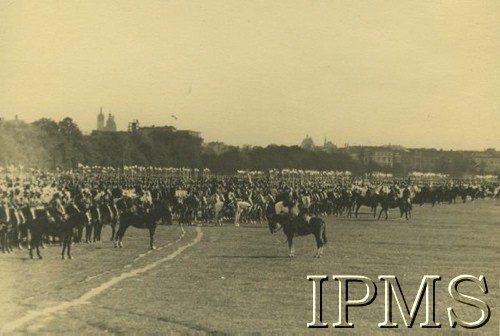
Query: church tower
x,y
100,121
110,124
307,143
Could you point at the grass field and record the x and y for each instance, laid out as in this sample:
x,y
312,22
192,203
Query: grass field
x,y
239,280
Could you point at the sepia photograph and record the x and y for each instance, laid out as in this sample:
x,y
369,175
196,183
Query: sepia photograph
x,y
283,167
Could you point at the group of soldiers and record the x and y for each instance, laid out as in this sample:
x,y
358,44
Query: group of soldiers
x,y
55,191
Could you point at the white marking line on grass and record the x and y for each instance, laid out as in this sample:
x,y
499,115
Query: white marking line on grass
x,y
160,248
85,298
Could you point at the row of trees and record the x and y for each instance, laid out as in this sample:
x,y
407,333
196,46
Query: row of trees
x,y
279,157
49,144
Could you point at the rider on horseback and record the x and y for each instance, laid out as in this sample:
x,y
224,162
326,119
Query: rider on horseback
x,y
18,203
55,209
246,195
407,196
230,197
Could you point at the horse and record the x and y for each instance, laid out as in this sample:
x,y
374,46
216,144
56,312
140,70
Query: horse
x,y
13,229
218,207
148,220
496,192
299,226
368,200
257,211
188,208
336,202
80,212
6,230
240,206
103,213
471,191
391,201
45,223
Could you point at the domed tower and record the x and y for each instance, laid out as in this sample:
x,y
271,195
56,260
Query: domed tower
x,y
100,121
110,123
307,143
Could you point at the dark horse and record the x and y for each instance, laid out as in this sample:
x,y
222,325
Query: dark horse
x,y
391,201
298,226
103,213
188,209
6,230
147,220
369,200
65,228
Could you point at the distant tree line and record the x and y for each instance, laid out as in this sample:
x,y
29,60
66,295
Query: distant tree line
x,y
279,157
48,144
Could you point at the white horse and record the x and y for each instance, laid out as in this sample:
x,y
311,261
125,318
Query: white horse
x,y
496,192
217,203
240,207
218,206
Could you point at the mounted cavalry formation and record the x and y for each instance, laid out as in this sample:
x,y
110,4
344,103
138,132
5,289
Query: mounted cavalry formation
x,y
57,214
74,208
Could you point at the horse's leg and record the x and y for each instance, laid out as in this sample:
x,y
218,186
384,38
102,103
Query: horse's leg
x,y
28,237
120,240
63,238
151,237
118,236
217,219
22,233
290,246
36,241
260,214
112,223
357,209
69,242
99,230
94,229
319,245
88,232
237,214
38,250
76,237
121,234
325,240
380,214
4,240
10,240
31,248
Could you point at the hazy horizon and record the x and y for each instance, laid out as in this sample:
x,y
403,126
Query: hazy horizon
x,y
417,74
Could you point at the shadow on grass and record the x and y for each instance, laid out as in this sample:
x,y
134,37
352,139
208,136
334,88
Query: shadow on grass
x,y
242,226
252,257
359,219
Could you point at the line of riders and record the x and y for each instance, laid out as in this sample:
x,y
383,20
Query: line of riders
x,y
76,207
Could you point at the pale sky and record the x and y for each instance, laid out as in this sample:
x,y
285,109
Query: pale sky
x,y
416,73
